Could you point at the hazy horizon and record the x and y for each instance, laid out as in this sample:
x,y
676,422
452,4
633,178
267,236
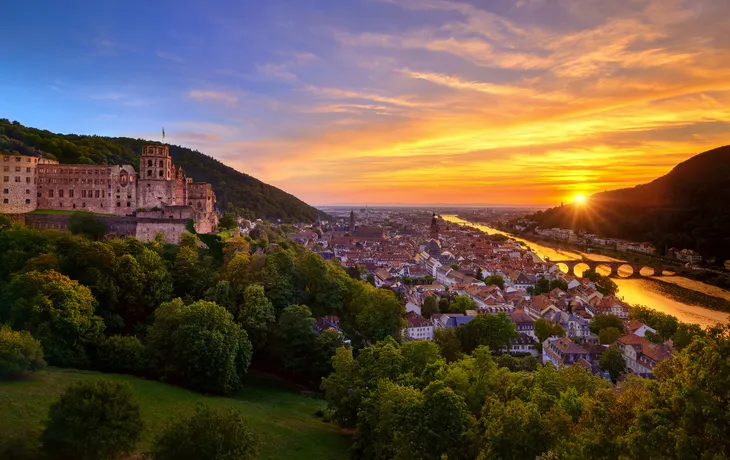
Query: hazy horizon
x,y
526,102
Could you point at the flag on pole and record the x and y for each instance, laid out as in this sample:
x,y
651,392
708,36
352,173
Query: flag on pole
x,y
163,133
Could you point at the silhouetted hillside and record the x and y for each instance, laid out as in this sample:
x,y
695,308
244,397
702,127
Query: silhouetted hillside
x,y
687,208
233,189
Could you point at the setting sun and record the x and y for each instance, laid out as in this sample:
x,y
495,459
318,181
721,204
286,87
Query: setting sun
x,y
580,199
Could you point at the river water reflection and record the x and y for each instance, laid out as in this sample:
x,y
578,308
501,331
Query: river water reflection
x,y
632,290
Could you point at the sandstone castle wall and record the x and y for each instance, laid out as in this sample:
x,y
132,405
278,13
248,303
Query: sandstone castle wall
x,y
158,191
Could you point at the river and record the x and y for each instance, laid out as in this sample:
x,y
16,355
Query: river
x,y
642,291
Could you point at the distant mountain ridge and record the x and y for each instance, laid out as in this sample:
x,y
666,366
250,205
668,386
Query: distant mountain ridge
x,y
687,208
234,190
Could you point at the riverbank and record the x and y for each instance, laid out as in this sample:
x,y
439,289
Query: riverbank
x,y
685,302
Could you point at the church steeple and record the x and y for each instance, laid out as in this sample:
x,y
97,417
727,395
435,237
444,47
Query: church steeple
x,y
352,222
434,226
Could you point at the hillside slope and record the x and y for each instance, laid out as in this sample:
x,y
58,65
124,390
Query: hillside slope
x,y
235,190
687,208
284,420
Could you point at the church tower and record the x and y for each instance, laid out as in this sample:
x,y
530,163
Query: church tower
x,y
352,222
434,227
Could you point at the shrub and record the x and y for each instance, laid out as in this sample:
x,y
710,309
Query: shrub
x,y
20,353
212,435
93,420
122,354
199,345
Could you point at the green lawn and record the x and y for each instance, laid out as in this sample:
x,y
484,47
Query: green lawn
x,y
284,419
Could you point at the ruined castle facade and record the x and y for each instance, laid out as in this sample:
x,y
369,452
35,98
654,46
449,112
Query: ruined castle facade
x,y
158,192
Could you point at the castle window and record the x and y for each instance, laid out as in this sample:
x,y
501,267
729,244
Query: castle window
x,y
70,193
96,194
17,178
83,193
119,205
17,169
129,204
60,193
27,201
6,178
83,205
27,192
162,164
5,200
6,191
17,159
6,168
50,194
28,160
160,174
149,162
149,174
74,205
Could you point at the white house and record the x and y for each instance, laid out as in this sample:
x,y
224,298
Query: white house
x,y
419,328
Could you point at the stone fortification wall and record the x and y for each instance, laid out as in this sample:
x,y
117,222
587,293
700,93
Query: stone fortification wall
x,y
147,230
19,184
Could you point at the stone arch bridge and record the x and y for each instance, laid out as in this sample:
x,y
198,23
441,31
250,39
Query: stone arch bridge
x,y
628,268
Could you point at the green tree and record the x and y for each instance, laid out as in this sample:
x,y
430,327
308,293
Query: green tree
x,y
449,343
612,361
379,314
514,430
608,335
545,329
227,221
604,284
55,310
495,280
87,224
209,434
5,222
430,306
20,353
122,354
144,283
199,346
686,416
559,284
93,420
462,303
444,305
600,322
296,337
685,334
256,315
494,331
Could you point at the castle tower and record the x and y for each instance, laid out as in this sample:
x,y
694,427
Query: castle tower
x,y
352,222
157,184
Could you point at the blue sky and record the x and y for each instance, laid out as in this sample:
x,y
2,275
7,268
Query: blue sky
x,y
390,101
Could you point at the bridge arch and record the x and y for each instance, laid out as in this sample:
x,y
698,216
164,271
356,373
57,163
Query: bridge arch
x,y
647,271
625,271
563,267
604,269
580,268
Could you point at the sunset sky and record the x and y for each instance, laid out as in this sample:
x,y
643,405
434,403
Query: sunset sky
x,y
387,101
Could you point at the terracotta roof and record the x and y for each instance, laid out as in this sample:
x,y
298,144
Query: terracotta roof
x,y
519,316
566,345
416,320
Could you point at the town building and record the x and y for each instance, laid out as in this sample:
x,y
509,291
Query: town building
x,y
562,351
641,355
418,328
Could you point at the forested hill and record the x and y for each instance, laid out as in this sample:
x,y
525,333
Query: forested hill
x,y
235,190
687,208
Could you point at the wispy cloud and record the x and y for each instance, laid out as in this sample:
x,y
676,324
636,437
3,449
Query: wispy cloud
x,y
213,96
169,56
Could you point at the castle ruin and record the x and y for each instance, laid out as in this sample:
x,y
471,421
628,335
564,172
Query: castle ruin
x,y
160,196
